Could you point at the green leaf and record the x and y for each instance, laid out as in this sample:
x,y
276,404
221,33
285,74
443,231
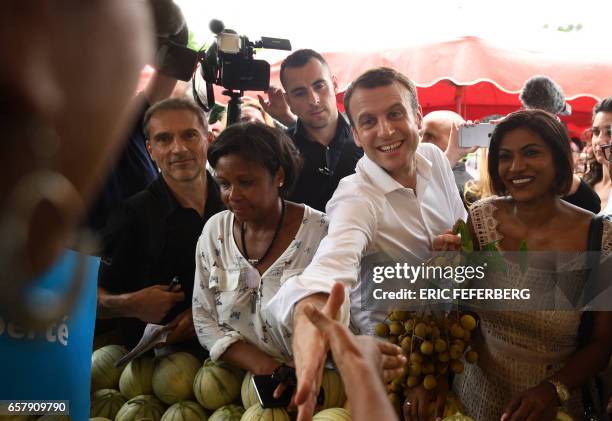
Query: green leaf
x,y
494,259
461,228
523,256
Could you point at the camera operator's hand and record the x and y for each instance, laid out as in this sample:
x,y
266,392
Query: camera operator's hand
x,y
172,58
277,107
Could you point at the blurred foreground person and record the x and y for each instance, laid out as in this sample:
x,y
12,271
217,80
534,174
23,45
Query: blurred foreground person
x,y
63,113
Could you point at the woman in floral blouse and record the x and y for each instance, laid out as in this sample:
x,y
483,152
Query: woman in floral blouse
x,y
246,253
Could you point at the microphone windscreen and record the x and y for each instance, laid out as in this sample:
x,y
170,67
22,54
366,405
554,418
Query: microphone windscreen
x,y
216,26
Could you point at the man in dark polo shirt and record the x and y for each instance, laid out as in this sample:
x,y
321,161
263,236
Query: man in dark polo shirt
x,y
322,134
152,237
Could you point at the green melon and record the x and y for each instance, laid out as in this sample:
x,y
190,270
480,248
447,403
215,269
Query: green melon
x,y
104,374
173,377
185,411
99,419
257,413
216,385
141,407
334,389
227,413
247,392
137,377
332,414
106,403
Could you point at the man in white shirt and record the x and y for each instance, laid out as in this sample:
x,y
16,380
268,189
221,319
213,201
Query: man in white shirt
x,y
402,195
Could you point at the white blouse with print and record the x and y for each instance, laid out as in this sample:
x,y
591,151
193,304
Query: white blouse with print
x,y
230,297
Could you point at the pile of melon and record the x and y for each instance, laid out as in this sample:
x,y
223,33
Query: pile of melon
x,y
179,387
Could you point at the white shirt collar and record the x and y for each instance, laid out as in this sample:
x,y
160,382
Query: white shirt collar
x,y
381,179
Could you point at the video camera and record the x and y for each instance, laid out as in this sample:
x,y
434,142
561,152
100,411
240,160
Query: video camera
x,y
229,62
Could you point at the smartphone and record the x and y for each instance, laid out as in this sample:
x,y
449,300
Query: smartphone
x,y
265,387
476,135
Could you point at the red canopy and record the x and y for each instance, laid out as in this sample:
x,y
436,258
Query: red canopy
x,y
474,77
477,78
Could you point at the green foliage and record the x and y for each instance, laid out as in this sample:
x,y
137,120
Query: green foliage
x,y
570,28
192,43
567,28
461,228
523,256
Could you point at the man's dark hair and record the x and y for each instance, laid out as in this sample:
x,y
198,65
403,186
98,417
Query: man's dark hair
x,y
550,130
375,78
603,106
297,59
174,104
266,146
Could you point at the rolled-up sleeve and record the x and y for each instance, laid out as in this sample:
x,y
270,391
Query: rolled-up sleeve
x,y
212,334
352,226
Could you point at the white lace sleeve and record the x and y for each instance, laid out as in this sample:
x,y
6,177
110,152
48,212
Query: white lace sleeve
x,y
485,224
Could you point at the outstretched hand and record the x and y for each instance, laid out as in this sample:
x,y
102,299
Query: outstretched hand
x,y
360,360
310,347
384,357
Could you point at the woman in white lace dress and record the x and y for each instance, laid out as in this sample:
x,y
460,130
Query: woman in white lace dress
x,y
529,362
246,253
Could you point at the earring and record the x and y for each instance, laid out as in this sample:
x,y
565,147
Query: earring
x,y
43,186
34,189
281,184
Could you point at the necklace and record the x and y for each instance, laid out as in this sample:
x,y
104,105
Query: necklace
x,y
255,262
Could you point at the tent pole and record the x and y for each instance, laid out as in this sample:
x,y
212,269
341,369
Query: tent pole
x,y
459,92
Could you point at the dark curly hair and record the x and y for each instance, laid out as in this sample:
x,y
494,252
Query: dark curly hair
x,y
266,146
550,130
